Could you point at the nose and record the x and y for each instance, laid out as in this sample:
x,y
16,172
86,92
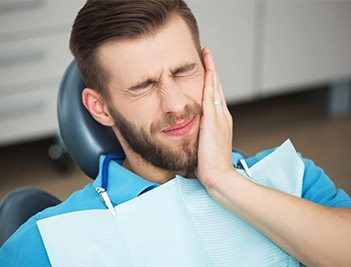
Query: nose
x,y
173,98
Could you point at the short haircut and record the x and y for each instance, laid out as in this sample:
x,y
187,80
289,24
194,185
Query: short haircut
x,y
100,21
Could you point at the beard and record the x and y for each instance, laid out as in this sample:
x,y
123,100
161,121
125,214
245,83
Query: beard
x,y
168,157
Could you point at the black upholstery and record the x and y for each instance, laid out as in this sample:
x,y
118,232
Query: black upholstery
x,y
84,138
19,205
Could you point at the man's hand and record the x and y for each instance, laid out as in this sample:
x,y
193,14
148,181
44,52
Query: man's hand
x,y
216,128
298,226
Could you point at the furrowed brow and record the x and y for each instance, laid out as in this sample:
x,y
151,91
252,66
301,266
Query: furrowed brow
x,y
184,68
142,84
178,70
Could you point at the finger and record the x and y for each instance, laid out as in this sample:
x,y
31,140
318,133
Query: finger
x,y
221,93
210,67
207,97
219,99
225,107
226,111
209,82
218,94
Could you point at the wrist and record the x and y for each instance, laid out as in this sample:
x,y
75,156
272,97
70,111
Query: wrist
x,y
222,182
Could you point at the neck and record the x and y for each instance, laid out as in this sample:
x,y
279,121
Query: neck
x,y
139,166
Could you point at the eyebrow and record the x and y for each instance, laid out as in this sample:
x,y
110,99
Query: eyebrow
x,y
143,84
146,82
184,68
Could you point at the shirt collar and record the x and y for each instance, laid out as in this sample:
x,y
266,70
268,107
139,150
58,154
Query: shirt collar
x,y
123,185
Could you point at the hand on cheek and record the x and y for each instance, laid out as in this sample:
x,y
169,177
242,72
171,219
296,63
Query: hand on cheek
x,y
216,128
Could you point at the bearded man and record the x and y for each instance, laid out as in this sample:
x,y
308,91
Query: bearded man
x,y
148,78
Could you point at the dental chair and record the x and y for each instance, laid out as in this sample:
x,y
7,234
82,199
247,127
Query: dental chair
x,y
83,137
19,205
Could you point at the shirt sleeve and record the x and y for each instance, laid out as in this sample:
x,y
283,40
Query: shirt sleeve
x,y
24,248
319,188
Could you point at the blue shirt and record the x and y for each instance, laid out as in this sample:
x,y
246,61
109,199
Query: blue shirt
x,y
26,248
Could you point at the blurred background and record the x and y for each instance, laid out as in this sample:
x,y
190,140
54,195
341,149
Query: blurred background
x,y
285,67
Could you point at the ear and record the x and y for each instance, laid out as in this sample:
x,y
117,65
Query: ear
x,y
96,105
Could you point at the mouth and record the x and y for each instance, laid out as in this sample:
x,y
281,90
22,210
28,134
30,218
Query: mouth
x,y
180,129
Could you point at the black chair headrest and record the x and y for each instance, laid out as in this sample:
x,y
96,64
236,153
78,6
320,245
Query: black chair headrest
x,y
84,138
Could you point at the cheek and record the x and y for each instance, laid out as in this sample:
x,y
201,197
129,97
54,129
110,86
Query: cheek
x,y
148,115
199,91
141,114
193,88
138,116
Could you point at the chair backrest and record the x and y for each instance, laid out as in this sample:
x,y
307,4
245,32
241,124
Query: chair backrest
x,y
19,205
84,138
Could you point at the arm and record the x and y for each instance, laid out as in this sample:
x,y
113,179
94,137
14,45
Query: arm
x,y
25,247
314,234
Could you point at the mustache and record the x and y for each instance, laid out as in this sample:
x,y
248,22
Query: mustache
x,y
170,119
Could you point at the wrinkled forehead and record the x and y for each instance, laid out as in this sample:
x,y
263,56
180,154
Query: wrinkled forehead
x,y
129,60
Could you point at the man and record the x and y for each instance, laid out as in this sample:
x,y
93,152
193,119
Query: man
x,y
148,78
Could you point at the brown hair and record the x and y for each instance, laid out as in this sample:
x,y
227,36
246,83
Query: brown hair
x,y
100,21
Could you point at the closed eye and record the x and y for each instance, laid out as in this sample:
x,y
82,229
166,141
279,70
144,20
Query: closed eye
x,y
143,85
183,74
184,70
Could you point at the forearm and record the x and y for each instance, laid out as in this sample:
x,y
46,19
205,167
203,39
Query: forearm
x,y
314,234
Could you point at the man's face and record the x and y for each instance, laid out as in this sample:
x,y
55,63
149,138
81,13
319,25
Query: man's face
x,y
155,87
